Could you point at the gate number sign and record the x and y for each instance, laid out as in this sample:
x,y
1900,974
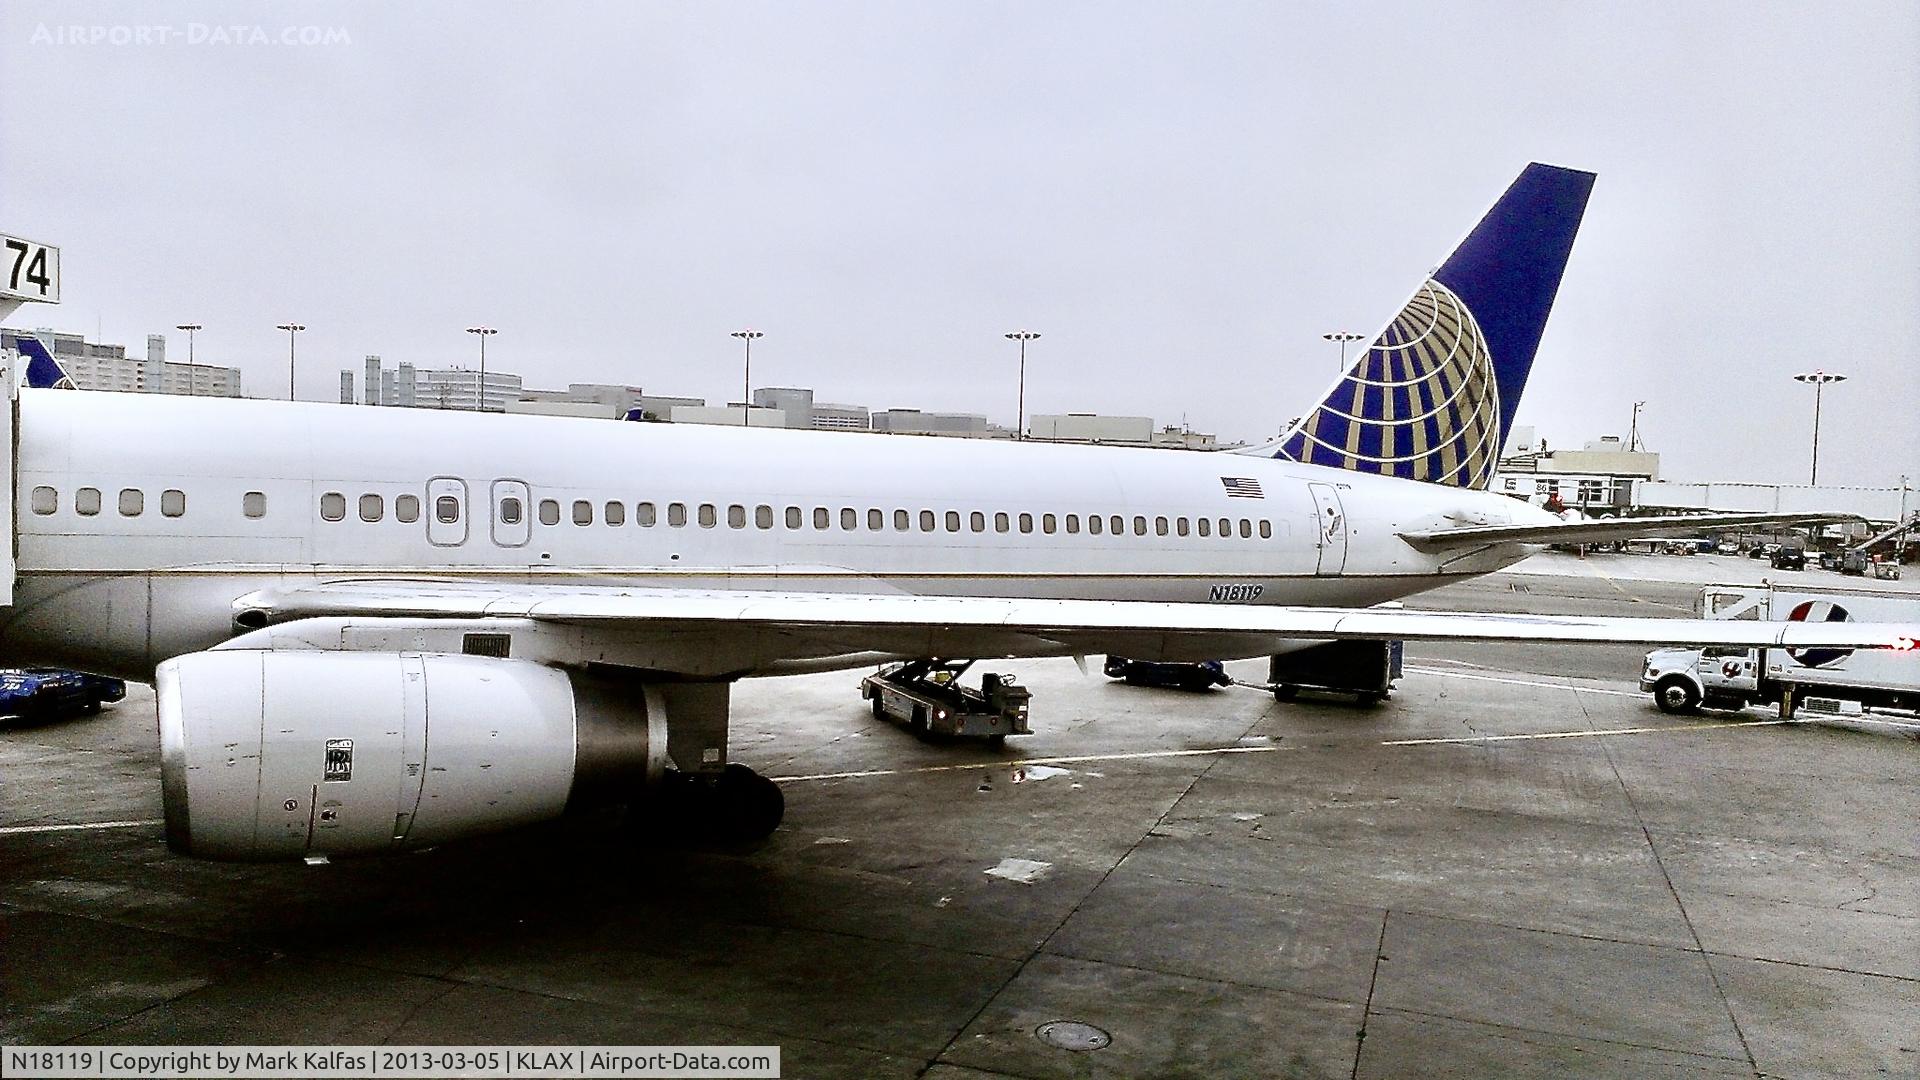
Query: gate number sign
x,y
31,269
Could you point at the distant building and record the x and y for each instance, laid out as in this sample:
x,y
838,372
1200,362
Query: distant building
x,y
803,411
655,407
1178,438
728,414
1598,479
449,388
916,422
1092,428
94,366
611,400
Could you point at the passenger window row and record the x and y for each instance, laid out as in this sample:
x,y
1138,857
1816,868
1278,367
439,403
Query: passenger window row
x,y
373,507
850,519
87,501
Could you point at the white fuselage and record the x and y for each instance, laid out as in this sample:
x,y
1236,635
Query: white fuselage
x,y
141,518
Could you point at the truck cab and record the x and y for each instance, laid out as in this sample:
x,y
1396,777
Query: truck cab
x,y
1682,680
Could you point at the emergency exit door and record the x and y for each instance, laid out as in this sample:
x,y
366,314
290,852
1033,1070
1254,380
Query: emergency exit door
x,y
1332,539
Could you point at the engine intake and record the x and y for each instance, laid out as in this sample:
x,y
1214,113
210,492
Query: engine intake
x,y
274,755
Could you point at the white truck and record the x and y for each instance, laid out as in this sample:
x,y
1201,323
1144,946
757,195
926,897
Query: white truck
x,y
1837,681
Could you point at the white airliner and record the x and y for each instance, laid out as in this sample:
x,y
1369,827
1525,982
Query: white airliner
x,y
375,629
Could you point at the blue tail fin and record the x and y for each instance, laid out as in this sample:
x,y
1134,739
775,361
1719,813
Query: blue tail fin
x,y
1434,395
42,369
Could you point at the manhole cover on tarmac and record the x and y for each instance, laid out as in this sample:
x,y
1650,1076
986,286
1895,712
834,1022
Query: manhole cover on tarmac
x,y
1072,1035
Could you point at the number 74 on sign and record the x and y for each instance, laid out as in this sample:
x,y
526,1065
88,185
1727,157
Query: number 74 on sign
x,y
31,271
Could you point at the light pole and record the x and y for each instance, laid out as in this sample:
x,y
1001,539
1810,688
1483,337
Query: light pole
x,y
1819,379
484,332
1020,424
191,328
746,379
1343,336
1633,429
291,328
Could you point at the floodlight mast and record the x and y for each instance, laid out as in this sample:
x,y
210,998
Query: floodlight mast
x,y
746,376
1020,423
1819,379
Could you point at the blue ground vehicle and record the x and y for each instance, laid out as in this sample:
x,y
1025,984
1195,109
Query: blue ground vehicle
x,y
49,692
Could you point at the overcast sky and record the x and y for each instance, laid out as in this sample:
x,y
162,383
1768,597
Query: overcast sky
x,y
1180,198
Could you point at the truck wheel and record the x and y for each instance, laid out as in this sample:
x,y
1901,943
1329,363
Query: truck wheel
x,y
1285,692
919,722
1675,695
879,709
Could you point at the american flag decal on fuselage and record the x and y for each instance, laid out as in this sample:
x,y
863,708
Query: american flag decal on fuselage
x,y
1241,487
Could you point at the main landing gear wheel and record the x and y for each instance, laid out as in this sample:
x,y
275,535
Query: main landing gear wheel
x,y
1285,692
734,806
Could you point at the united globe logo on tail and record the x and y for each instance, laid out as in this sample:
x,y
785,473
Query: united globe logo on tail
x,y
1434,395
1422,403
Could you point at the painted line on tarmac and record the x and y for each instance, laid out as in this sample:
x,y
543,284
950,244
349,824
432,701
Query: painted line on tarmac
x,y
1018,762
19,830
1520,682
1586,734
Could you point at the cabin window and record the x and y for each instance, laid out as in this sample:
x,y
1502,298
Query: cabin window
x,y
1205,526
86,501
1047,523
45,500
372,507
978,521
763,517
510,510
1096,524
1159,526
849,518
953,521
549,512
677,515
333,505
643,515
614,513
1226,528
793,517
876,520
1026,523
1000,523
821,519
582,512
1180,526
1073,524
1117,525
254,504
405,508
1246,529
708,517
736,517
446,509
1266,529
926,521
133,502
173,502
902,521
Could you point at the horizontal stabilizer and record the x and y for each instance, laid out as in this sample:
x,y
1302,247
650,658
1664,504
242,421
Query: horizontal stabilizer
x,y
1602,530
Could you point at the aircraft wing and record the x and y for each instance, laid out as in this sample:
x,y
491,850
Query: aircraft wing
x,y
725,633
1599,530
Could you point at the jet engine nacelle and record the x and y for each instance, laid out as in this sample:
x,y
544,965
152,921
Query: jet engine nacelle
x,y
272,755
